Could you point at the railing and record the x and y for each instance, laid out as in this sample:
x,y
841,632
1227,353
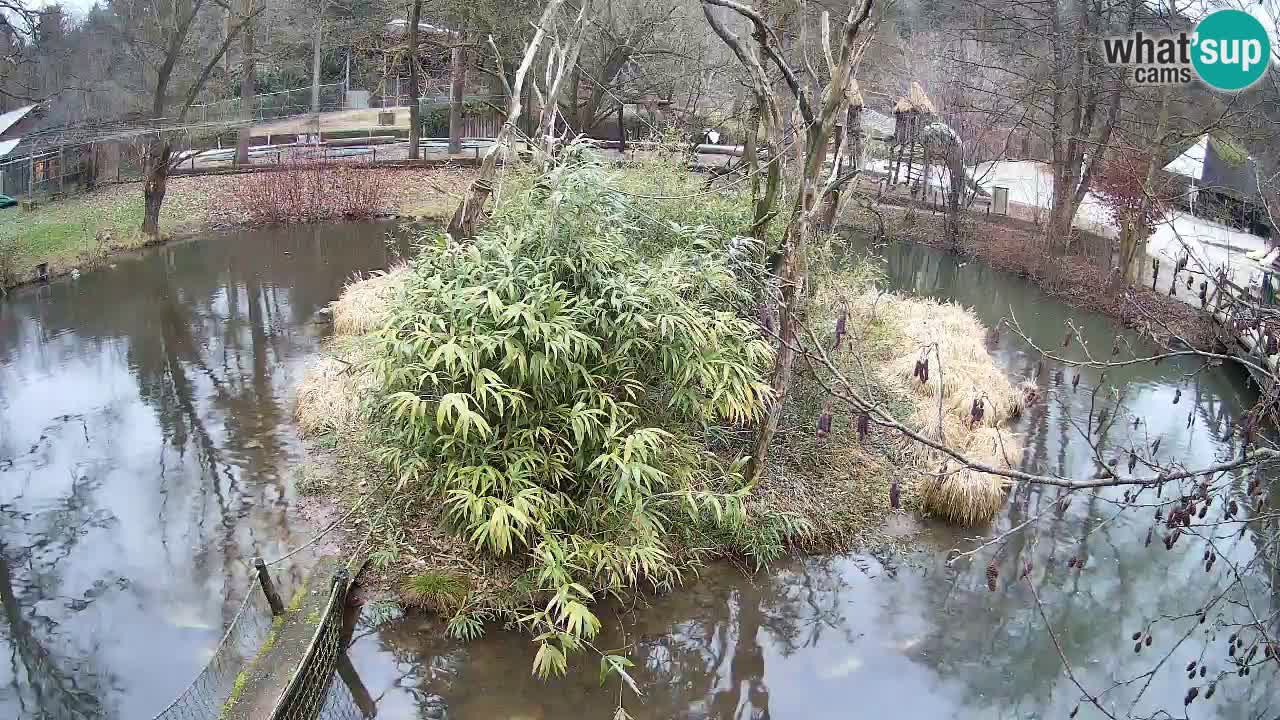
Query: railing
x,y
272,106
209,692
310,693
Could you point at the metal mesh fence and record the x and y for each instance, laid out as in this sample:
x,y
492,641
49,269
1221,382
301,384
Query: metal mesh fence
x,y
308,690
205,696
340,703
272,106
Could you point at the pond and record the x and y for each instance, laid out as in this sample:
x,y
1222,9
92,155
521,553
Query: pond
x,y
146,441
856,636
146,446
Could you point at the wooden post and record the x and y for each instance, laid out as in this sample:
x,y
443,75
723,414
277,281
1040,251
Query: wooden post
x,y
622,133
268,588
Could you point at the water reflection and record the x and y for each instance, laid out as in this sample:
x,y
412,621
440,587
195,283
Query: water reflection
x,y
842,636
145,446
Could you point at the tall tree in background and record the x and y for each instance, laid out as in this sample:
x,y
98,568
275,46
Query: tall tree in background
x,y
176,65
415,86
1084,100
248,85
457,87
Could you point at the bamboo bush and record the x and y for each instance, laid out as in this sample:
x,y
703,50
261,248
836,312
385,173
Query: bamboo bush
x,y
548,383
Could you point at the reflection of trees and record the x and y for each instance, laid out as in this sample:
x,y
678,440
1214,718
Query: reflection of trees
x,y
203,330
699,652
46,681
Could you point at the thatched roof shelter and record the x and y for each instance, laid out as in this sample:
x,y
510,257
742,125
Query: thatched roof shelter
x,y
854,94
915,101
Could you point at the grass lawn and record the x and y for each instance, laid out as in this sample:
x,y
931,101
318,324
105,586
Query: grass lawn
x,y
81,231
84,230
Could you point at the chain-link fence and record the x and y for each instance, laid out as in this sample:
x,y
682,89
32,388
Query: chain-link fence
x,y
308,690
50,173
272,106
205,697
340,702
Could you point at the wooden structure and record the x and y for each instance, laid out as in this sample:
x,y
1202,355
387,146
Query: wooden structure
x,y
911,114
1253,327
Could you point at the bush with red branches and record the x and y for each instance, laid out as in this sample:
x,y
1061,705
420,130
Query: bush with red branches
x,y
1120,186
312,191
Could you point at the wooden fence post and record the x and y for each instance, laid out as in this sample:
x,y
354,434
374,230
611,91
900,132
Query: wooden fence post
x,y
268,588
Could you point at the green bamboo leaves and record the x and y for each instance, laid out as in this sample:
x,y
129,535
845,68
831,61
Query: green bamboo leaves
x,y
549,382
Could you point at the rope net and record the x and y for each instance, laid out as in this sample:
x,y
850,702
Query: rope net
x,y
204,698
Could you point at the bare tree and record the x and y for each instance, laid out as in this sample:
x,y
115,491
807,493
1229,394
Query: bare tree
x,y
176,66
415,84
248,81
819,119
471,211
562,60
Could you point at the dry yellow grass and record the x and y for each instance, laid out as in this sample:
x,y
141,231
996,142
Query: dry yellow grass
x,y
333,386
331,391
960,372
362,307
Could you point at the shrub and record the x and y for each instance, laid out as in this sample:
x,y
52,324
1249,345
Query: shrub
x,y
312,191
550,383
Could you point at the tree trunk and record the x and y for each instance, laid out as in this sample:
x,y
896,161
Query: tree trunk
x,y
857,144
471,211
457,85
622,131
750,157
415,126
791,281
1154,154
1061,210
315,62
955,169
248,85
155,183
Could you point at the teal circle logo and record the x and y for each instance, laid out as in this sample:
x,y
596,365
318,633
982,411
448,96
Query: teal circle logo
x,y
1231,50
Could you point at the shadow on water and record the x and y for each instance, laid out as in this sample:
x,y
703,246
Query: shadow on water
x,y
146,441
848,636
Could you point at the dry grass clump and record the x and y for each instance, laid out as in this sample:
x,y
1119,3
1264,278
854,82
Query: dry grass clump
x,y
960,369
960,372
362,307
333,387
331,391
965,496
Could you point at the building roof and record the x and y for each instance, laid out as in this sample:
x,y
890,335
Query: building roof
x,y
915,101
877,124
400,26
12,117
7,146
1219,165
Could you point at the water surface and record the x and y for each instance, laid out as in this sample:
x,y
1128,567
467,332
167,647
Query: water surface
x,y
146,444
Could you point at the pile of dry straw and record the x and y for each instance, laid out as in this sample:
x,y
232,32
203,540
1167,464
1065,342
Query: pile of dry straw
x,y
960,371
333,387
